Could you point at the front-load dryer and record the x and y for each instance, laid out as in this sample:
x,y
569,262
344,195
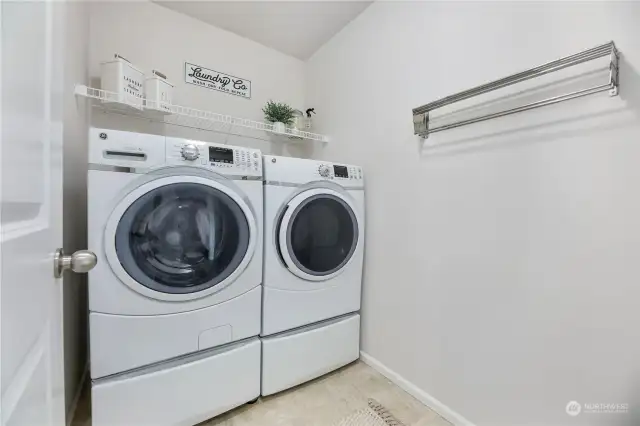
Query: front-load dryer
x,y
314,245
175,299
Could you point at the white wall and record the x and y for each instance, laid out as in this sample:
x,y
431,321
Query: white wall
x,y
76,118
154,37
501,275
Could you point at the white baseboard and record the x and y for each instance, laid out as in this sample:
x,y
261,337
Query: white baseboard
x,y
76,397
415,391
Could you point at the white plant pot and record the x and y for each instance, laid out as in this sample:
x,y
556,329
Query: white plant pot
x,y
279,127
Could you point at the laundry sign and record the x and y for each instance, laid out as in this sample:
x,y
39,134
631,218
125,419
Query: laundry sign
x,y
215,80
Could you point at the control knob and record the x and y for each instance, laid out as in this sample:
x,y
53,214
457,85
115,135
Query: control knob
x,y
190,152
324,170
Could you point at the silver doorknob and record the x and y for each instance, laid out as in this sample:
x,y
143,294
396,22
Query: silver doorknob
x,y
81,261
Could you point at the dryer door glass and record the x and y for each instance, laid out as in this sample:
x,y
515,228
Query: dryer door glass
x,y
182,238
322,234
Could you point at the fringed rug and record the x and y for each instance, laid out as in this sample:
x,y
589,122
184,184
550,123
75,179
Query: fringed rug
x,y
374,415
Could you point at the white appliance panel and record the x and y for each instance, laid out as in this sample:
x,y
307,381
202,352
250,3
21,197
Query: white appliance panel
x,y
125,149
185,392
219,158
295,357
286,309
298,170
121,343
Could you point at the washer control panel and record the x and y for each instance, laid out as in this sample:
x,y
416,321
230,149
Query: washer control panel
x,y
340,172
226,159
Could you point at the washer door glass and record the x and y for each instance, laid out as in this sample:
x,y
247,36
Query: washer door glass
x,y
322,235
182,238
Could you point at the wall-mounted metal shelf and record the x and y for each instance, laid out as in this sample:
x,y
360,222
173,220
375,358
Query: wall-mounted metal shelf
x,y
184,116
421,114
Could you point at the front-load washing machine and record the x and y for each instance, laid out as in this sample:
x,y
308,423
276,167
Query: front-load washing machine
x,y
314,244
175,298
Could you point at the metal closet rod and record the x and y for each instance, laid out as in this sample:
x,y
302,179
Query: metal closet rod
x,y
421,114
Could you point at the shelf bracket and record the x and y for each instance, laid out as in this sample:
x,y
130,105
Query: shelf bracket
x,y
421,124
613,72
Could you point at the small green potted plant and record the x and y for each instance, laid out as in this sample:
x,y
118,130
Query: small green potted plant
x,y
280,114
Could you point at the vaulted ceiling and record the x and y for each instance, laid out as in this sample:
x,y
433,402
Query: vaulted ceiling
x,y
297,28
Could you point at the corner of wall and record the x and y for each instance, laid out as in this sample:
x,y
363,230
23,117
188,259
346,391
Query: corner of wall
x,y
75,129
439,407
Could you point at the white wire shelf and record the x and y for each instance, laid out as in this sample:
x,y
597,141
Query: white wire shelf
x,y
184,116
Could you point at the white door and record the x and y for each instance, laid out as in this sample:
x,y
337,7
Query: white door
x,y
31,214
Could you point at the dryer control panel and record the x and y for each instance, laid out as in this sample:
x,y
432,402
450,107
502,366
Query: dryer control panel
x,y
302,171
224,159
337,171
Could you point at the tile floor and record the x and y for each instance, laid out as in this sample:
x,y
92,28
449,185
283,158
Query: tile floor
x,y
321,402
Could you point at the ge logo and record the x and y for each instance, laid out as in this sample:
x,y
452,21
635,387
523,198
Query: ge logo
x,y
574,408
103,136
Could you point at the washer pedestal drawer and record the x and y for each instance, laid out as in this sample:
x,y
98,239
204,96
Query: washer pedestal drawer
x,y
296,356
184,391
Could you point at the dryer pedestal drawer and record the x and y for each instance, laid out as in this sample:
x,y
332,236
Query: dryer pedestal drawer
x,y
184,391
294,357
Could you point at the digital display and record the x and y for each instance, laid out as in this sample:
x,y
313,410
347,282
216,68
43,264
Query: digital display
x,y
220,155
340,171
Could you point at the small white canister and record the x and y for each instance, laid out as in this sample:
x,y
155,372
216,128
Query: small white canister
x,y
119,76
158,92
